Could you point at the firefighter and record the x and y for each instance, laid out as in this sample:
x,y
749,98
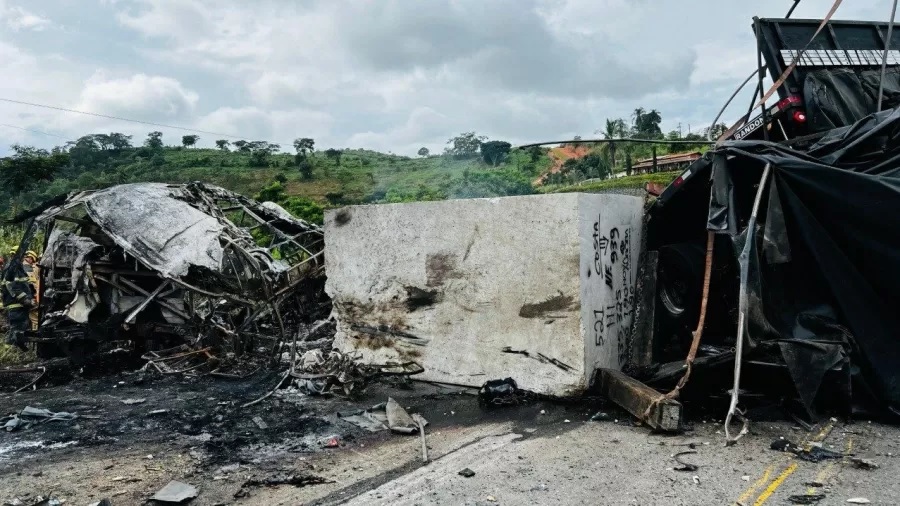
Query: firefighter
x,y
18,299
30,262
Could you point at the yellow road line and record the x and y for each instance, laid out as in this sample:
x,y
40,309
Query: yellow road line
x,y
756,484
823,433
764,496
830,469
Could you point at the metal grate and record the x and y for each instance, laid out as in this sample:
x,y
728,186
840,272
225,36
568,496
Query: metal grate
x,y
840,57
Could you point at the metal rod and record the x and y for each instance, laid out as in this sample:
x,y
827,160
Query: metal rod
x,y
148,300
744,261
887,45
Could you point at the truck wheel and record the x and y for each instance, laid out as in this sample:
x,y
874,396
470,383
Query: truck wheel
x,y
679,288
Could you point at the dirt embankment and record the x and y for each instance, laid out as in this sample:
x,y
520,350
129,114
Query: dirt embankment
x,y
560,155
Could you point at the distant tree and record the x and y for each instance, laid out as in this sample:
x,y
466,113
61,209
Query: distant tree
x,y
281,178
119,141
154,140
28,166
305,167
423,151
465,145
189,140
334,154
243,146
614,129
717,131
494,152
103,140
535,152
222,144
646,124
304,145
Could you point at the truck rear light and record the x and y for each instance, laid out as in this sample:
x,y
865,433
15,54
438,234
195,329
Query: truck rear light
x,y
678,181
799,117
789,101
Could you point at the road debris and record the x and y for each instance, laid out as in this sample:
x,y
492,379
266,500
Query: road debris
x,y
812,453
130,402
858,500
466,473
274,481
861,463
503,392
685,466
175,492
806,498
421,422
30,416
388,415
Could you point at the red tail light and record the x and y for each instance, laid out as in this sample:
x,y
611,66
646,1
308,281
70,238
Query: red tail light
x,y
677,182
789,101
799,117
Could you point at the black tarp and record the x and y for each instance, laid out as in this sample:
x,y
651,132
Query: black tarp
x,y
825,268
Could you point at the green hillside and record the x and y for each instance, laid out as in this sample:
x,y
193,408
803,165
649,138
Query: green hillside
x,y
309,180
332,179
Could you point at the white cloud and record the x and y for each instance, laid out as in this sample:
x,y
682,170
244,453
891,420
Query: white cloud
x,y
18,19
139,96
254,123
393,75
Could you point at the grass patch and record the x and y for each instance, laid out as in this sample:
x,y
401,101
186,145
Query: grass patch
x,y
636,181
12,356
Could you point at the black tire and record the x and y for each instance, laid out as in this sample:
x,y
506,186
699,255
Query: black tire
x,y
679,287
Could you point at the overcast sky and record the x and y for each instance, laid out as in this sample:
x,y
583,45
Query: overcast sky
x,y
379,74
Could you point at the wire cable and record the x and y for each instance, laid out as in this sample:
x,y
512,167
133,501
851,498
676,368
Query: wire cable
x,y
625,139
33,131
98,115
730,99
887,45
791,10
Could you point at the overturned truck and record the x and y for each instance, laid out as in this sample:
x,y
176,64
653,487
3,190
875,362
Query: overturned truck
x,y
794,215
153,266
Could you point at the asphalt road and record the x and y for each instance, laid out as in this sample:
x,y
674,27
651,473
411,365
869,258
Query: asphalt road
x,y
539,453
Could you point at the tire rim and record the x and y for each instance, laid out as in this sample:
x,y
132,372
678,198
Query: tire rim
x,y
673,295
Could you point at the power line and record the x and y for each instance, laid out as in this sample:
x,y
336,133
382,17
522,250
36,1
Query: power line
x,y
34,131
150,123
598,141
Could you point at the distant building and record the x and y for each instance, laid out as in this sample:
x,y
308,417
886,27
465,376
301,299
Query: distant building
x,y
665,163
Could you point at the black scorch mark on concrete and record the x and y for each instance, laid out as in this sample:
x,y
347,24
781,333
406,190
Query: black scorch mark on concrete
x,y
440,267
342,217
545,308
418,298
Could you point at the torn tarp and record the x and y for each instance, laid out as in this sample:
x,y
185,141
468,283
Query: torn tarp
x,y
826,272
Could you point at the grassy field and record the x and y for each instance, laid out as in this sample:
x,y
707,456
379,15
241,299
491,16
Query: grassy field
x,y
637,181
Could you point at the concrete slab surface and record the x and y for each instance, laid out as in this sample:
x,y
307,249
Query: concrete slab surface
x,y
539,288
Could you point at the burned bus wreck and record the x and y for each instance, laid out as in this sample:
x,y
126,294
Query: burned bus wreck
x,y
153,266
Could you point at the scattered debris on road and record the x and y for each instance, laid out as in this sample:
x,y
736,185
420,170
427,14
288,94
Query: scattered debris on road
x,y
861,463
806,498
30,416
810,453
685,466
466,473
175,492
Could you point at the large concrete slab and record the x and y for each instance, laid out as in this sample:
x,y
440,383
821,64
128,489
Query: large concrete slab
x,y
537,288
